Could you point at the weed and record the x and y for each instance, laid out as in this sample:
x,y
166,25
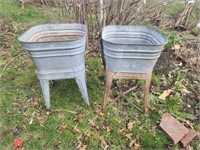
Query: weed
x,y
198,105
155,80
173,39
194,32
177,75
174,105
154,100
140,83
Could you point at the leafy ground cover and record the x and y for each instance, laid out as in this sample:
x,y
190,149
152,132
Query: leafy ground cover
x,y
70,124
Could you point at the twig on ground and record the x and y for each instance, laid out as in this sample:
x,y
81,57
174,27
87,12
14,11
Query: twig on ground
x,y
64,110
124,93
135,106
55,111
197,115
10,63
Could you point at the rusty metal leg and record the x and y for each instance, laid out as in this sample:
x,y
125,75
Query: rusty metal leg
x,y
108,83
146,91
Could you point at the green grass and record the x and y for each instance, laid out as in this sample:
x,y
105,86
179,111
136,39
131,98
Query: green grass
x,y
30,14
21,101
175,8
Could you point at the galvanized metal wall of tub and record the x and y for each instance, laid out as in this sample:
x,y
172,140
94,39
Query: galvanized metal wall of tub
x,y
131,48
57,51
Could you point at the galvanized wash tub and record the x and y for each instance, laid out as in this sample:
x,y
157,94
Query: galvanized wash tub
x,y
133,49
57,51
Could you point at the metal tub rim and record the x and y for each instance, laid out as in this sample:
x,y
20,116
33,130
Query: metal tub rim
x,y
107,28
75,26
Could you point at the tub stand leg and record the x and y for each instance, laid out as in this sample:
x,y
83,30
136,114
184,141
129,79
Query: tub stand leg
x,y
122,75
108,83
45,90
81,81
146,91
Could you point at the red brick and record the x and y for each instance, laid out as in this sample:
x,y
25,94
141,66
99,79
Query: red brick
x,y
189,137
173,128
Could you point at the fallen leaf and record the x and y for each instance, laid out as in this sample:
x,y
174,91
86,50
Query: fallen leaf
x,y
35,104
79,117
48,112
184,90
130,125
79,143
108,129
104,144
129,135
98,110
56,144
176,47
189,148
188,124
83,147
141,127
181,87
133,145
75,129
193,60
100,114
17,143
137,146
94,125
80,146
122,131
165,94
62,127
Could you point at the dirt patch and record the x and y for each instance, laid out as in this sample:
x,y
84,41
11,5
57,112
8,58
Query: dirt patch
x,y
185,58
192,100
189,54
165,62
